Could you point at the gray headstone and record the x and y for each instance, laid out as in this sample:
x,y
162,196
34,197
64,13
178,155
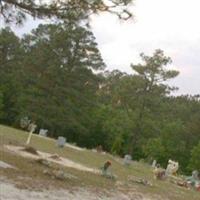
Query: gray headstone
x,y
195,175
61,141
43,132
127,159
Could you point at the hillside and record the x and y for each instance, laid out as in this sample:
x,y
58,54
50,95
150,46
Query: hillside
x,y
30,179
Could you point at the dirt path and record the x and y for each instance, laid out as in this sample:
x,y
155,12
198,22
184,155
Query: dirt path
x,y
47,156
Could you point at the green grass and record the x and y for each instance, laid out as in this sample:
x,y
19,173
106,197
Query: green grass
x,y
88,158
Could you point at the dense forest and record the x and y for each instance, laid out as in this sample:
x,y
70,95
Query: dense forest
x,y
56,76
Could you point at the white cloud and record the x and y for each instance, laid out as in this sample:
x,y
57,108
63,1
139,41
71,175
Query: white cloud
x,y
171,25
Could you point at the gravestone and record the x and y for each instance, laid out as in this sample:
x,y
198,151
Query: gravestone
x,y
154,164
194,179
172,168
127,159
43,132
61,141
195,175
106,172
99,149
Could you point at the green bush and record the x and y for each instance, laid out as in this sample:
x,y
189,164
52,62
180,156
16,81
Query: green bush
x,y
154,150
117,147
195,158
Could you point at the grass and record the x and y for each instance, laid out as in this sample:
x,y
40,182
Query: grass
x,y
35,178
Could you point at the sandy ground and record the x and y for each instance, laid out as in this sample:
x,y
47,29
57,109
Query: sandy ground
x,y
8,191
5,165
47,156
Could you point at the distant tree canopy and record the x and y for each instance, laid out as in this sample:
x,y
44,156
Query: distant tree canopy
x,y
14,11
56,76
195,158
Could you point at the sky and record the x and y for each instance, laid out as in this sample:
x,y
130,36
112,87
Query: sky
x,y
170,25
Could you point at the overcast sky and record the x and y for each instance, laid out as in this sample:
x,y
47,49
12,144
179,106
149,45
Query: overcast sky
x,y
171,25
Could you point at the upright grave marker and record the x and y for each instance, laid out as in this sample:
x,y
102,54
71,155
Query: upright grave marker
x,y
61,141
43,132
32,126
127,159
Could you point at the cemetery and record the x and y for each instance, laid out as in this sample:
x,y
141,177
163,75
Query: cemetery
x,y
99,100
61,162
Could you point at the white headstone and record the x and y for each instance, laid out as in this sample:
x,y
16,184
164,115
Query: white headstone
x,y
43,132
154,164
61,141
172,167
127,159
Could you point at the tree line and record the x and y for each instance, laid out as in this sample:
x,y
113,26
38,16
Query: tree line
x,y
56,76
